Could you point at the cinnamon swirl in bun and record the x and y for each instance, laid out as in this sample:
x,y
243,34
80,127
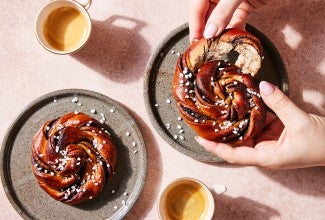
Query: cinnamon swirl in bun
x,y
218,99
73,157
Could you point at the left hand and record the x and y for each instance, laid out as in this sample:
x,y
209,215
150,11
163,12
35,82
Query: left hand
x,y
209,18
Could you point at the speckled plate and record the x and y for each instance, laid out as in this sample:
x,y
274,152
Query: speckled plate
x,y
161,105
122,191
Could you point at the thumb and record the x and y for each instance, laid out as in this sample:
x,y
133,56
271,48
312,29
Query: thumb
x,y
283,107
220,17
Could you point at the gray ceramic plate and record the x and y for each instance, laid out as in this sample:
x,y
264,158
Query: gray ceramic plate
x,y
30,201
158,89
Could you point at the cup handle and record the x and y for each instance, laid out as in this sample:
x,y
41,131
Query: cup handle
x,y
85,3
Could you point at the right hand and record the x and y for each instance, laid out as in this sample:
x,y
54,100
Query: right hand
x,y
295,139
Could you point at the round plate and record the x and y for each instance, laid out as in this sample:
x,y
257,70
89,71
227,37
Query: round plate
x,y
121,192
161,105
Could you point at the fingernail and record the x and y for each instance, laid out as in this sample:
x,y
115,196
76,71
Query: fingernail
x,y
210,31
198,139
266,88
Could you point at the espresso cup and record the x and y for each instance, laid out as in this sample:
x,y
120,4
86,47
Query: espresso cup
x,y
186,198
63,26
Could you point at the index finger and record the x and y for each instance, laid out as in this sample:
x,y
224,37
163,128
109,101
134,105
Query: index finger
x,y
220,17
243,155
197,18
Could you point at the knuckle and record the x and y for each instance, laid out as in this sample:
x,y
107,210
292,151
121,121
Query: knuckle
x,y
280,102
222,17
272,166
231,160
274,161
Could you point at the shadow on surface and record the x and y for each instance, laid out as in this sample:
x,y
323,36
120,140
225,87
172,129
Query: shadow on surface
x,y
240,208
297,30
117,182
114,50
154,172
308,181
300,41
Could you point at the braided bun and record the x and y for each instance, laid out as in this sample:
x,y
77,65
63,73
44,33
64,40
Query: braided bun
x,y
73,157
220,100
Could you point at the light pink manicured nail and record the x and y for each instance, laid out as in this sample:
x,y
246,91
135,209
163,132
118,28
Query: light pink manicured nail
x,y
210,31
197,138
266,88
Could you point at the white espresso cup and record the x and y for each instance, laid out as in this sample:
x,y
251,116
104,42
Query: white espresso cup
x,y
186,198
63,26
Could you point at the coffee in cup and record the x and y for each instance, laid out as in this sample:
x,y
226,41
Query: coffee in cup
x,y
186,198
63,26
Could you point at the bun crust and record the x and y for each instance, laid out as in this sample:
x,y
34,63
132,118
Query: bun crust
x,y
220,100
73,157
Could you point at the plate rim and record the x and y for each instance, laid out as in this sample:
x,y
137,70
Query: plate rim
x,y
154,61
19,118
150,65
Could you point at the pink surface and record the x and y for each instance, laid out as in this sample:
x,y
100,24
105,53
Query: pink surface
x,y
113,62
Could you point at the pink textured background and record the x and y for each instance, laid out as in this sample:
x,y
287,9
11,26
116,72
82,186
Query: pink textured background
x,y
113,62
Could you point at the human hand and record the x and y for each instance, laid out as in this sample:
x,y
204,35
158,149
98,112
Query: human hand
x,y
295,139
209,18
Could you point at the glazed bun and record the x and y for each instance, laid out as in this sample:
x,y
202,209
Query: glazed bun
x,y
218,99
73,157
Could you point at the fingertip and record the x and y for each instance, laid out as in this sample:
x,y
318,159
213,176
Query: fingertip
x,y
194,37
266,88
197,138
210,30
